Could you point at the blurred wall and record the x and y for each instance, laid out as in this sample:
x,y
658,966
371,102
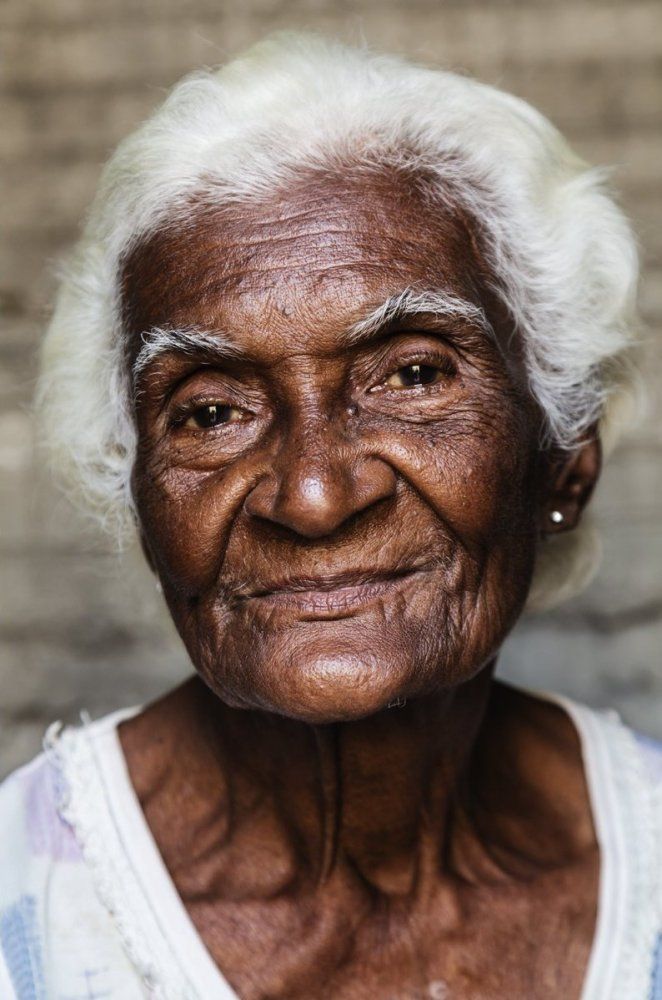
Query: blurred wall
x,y
82,627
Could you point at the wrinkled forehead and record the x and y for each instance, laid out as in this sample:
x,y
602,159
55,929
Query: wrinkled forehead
x,y
303,263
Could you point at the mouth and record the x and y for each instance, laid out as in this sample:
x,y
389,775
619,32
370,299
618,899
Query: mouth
x,y
335,595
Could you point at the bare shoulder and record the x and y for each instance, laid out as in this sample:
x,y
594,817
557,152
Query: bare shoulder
x,y
540,751
541,725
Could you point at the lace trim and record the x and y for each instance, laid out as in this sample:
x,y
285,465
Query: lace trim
x,y
83,804
638,812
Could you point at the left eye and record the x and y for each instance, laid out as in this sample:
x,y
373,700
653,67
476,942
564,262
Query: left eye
x,y
412,375
213,415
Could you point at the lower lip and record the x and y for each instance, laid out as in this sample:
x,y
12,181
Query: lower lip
x,y
323,603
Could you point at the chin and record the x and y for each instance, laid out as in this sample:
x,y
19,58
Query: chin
x,y
336,688
320,675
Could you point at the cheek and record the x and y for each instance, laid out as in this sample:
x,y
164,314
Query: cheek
x,y
474,470
186,518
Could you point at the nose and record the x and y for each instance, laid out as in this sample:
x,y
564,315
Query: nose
x,y
316,484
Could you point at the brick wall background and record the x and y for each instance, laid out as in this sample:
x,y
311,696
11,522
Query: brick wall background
x,y
82,627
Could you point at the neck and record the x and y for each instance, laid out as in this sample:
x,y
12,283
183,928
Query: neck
x,y
390,782
377,794
465,782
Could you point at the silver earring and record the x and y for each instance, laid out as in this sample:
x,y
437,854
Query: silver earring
x,y
556,516
159,588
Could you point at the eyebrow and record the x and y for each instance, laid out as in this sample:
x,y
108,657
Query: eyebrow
x,y
411,302
217,347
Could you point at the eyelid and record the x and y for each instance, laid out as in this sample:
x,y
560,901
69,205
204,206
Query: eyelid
x,y
441,337
424,356
164,386
192,369
426,340
463,342
217,387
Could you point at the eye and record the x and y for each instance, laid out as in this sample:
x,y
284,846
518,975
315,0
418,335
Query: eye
x,y
212,415
415,374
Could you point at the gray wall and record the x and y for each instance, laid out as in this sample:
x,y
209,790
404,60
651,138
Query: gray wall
x,y
80,627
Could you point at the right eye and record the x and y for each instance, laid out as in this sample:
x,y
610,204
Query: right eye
x,y
212,415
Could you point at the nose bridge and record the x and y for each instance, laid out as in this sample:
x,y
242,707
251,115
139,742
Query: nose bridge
x,y
314,439
313,469
318,476
312,425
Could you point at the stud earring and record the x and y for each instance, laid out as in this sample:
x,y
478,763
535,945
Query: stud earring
x,y
556,516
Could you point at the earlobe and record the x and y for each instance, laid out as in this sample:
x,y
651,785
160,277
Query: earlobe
x,y
570,481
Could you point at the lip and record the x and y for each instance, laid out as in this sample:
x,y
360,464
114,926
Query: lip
x,y
331,596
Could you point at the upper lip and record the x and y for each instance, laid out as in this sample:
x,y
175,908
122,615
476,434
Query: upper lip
x,y
329,581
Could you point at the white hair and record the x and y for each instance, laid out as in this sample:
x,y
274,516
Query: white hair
x,y
561,251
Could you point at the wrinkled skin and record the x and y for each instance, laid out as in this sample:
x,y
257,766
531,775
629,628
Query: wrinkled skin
x,y
348,805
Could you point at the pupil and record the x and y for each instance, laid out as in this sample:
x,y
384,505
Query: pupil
x,y
418,374
210,416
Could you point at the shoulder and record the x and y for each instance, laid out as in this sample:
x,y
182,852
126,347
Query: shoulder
x,y
52,921
621,763
649,751
31,822
623,777
612,748
37,845
622,771
33,799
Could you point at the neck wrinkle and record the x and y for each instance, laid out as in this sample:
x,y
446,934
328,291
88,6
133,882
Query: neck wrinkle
x,y
389,784
327,743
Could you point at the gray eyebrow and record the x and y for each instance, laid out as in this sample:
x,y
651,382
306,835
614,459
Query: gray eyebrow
x,y
190,340
410,302
218,347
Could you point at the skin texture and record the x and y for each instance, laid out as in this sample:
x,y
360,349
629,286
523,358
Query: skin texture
x,y
347,803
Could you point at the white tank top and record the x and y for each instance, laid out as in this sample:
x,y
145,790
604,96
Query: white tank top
x,y
88,909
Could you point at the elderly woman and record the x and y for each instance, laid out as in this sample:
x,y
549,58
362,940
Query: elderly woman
x,y
343,339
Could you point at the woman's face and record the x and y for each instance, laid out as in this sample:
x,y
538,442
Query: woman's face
x,y
336,524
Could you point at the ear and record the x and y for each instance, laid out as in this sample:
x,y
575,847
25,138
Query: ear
x,y
568,484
